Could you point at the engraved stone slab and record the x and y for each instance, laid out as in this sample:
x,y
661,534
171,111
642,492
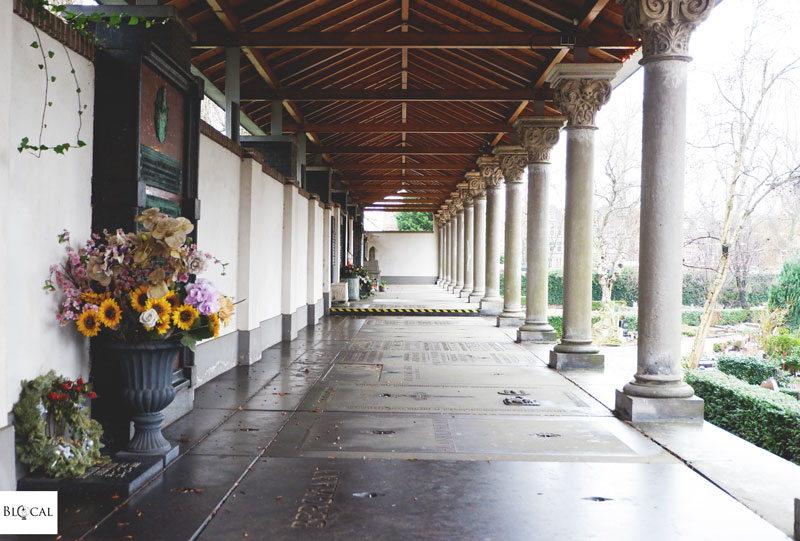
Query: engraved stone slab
x,y
335,396
460,437
119,476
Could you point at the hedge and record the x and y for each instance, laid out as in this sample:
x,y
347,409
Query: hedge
x,y
691,317
750,369
765,418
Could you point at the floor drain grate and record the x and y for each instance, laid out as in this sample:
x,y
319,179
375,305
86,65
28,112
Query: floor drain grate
x,y
598,499
382,432
547,435
367,494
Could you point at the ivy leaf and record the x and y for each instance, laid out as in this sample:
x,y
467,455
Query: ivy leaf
x,y
133,21
41,66
51,54
49,103
43,147
23,144
148,24
189,341
81,143
115,19
52,78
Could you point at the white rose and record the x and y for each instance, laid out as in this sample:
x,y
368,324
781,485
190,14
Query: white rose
x,y
149,318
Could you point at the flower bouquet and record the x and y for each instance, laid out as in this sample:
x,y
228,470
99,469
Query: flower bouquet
x,y
139,293
142,286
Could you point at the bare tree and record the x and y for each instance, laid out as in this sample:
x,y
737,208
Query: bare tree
x,y
753,156
616,216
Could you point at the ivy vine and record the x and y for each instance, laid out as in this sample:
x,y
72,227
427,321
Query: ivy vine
x,y
80,23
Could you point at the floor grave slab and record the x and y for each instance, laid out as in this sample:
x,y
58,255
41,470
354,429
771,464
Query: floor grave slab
x,y
507,377
174,504
244,434
444,346
296,498
451,437
333,396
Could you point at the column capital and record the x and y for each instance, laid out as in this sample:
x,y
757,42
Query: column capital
x,y
513,160
490,171
538,135
456,204
664,25
465,194
477,188
581,89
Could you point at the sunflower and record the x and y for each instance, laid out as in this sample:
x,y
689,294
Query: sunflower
x,y
89,323
172,298
161,306
139,298
185,316
110,315
94,298
213,324
163,326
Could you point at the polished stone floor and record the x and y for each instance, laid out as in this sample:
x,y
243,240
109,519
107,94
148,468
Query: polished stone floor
x,y
395,428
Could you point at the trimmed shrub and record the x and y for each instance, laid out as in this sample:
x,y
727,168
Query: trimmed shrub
x,y
597,305
695,288
557,322
555,288
734,317
524,290
633,321
765,418
691,317
786,294
750,369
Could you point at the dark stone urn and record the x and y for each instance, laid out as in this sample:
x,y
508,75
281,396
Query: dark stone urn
x,y
146,374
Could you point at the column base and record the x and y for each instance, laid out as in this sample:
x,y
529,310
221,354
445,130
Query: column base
x,y
540,337
476,296
465,293
457,290
572,361
491,307
510,319
641,409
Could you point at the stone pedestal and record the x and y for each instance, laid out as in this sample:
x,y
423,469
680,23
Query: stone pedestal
x,y
525,334
639,409
573,360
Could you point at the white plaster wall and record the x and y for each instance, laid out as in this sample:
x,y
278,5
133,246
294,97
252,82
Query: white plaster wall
x,y
300,254
404,253
326,250
319,246
218,228
268,246
40,198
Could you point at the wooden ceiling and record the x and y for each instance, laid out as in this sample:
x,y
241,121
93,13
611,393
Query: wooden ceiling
x,y
400,95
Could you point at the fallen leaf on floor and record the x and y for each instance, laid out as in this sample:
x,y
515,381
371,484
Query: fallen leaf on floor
x,y
187,490
121,524
115,497
278,497
184,440
240,408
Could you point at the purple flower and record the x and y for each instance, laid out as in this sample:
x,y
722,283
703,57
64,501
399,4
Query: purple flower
x,y
204,296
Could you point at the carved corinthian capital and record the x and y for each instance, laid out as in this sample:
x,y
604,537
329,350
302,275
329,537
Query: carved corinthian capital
x,y
538,135
477,188
664,25
580,99
513,160
490,171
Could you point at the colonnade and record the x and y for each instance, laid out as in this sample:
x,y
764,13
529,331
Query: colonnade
x,y
470,222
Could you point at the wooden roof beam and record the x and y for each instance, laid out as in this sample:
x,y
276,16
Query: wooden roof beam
x,y
257,93
411,127
413,40
407,150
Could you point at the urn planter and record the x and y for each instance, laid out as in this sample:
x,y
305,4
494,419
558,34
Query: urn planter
x,y
353,288
146,377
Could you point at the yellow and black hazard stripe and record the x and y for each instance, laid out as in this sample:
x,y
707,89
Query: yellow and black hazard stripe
x,y
404,311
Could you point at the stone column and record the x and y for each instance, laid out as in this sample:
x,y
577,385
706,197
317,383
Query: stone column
x,y
658,391
469,231
447,246
438,249
492,303
513,160
538,135
461,250
478,193
580,91
453,247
